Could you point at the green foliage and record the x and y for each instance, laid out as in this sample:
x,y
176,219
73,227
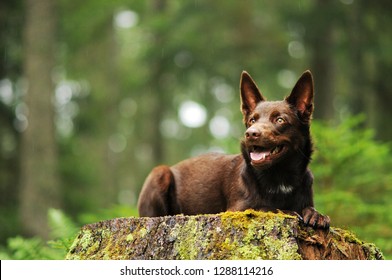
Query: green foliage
x,y
344,154
21,248
353,183
63,232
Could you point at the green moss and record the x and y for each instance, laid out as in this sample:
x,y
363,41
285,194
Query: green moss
x,y
265,236
70,254
129,237
86,239
230,235
350,237
370,249
372,252
142,232
86,244
190,241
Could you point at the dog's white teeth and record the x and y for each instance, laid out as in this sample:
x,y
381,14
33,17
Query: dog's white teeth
x,y
276,150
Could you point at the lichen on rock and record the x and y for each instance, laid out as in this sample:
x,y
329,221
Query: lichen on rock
x,y
230,235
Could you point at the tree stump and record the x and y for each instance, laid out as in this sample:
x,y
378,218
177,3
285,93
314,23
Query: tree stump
x,y
230,235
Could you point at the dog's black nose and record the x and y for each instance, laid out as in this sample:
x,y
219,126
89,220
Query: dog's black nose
x,y
252,133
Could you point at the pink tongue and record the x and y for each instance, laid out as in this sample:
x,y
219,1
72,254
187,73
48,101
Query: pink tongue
x,y
259,155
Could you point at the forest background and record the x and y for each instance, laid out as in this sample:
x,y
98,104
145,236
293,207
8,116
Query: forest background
x,y
95,93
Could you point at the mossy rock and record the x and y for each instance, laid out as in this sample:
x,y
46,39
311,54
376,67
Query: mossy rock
x,y
230,235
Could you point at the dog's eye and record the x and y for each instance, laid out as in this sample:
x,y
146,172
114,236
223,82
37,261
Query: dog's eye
x,y
280,120
252,121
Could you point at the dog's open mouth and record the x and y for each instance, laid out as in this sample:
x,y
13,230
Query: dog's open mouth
x,y
259,154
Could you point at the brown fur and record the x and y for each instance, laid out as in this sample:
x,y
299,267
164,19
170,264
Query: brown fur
x,y
271,172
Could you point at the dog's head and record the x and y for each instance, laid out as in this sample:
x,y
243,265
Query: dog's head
x,y
276,130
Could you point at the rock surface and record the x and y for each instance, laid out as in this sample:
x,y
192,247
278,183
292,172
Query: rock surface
x,y
230,235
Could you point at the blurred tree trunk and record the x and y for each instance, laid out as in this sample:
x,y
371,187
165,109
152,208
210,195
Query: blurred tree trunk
x,y
377,63
322,43
156,106
370,91
359,72
383,68
110,186
383,95
39,178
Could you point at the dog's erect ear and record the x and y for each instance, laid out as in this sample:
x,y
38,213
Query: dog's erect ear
x,y
301,96
250,94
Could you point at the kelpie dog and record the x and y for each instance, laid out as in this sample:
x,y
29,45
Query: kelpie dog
x,y
271,173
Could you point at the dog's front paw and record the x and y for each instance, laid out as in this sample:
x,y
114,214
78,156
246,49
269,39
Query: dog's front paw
x,y
314,219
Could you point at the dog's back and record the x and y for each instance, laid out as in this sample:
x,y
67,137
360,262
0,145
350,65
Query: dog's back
x,y
193,186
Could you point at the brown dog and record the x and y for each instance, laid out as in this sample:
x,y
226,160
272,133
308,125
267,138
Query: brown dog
x,y
271,173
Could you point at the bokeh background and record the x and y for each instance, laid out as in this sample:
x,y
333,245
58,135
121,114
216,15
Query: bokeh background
x,y
95,93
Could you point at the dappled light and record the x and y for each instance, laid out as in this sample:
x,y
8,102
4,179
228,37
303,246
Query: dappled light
x,y
6,91
296,49
192,114
219,127
126,19
286,78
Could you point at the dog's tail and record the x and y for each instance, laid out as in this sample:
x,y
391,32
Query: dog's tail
x,y
154,197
